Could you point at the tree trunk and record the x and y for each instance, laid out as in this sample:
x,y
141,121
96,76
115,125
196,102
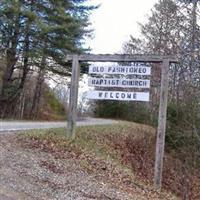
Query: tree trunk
x,y
38,89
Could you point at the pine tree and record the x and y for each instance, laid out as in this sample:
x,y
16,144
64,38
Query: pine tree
x,y
33,30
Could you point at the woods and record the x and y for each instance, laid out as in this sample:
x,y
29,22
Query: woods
x,y
172,28
35,37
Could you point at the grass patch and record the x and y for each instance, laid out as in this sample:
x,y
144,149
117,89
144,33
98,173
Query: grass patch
x,y
100,140
129,146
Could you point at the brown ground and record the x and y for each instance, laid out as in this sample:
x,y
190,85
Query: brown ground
x,y
29,173
32,174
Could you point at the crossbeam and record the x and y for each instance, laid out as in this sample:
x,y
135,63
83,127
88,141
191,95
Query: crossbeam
x,y
122,58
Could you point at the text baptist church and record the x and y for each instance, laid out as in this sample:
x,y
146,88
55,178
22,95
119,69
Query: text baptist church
x,y
119,82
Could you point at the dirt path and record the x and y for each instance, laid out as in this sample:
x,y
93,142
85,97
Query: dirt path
x,y
32,174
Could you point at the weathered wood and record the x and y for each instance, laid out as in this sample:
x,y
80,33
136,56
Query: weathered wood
x,y
160,143
122,58
73,98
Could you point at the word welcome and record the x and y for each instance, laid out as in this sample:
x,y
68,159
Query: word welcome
x,y
118,95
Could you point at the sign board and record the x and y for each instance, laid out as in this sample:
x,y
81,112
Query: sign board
x,y
123,83
115,95
118,95
137,70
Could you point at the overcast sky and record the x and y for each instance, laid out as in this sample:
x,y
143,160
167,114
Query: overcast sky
x,y
114,21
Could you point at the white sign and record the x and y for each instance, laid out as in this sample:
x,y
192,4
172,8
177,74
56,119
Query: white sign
x,y
124,83
138,70
118,95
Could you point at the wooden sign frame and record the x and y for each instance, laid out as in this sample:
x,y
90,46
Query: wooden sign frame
x,y
163,60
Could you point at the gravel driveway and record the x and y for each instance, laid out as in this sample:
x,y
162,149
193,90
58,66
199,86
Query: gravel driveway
x,y
28,174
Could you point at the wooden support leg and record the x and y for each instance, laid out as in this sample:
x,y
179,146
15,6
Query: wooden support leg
x,y
72,115
160,143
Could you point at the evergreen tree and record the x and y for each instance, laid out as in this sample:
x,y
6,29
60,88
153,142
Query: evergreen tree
x,y
36,36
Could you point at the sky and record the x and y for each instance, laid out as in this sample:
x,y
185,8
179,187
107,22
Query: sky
x,y
114,21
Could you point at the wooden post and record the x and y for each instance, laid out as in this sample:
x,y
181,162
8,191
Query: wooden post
x,y
73,97
160,143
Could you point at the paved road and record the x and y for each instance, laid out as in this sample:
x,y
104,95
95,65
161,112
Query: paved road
x,y
7,126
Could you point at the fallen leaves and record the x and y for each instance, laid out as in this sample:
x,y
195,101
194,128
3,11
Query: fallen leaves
x,y
107,151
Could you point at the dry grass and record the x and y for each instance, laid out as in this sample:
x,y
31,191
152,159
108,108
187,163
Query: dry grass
x,y
129,146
